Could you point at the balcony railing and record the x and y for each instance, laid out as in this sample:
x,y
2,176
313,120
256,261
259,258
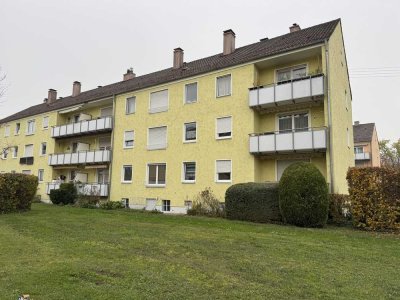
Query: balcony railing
x,y
362,156
81,157
299,90
82,128
88,189
304,140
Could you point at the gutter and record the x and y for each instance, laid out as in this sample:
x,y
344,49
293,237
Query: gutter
x,y
329,115
112,150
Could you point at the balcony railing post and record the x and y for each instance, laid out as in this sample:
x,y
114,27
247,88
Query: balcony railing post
x,y
312,139
275,141
311,87
293,131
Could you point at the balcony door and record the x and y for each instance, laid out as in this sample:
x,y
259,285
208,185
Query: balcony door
x,y
104,143
102,176
106,112
293,122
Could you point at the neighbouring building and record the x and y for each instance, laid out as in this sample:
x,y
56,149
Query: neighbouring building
x,y
366,145
156,140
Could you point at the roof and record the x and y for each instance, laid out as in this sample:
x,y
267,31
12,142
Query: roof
x,y
268,47
363,132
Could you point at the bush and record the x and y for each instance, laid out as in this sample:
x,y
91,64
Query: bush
x,y
88,200
17,192
339,209
66,194
111,205
256,202
206,204
375,198
303,196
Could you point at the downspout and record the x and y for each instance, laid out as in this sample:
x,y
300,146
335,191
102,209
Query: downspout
x,y
329,116
112,149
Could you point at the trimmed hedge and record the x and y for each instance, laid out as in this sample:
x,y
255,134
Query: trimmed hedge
x,y
303,196
375,198
17,192
66,194
256,202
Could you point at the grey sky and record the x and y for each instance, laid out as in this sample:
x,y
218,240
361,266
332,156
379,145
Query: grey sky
x,y
50,44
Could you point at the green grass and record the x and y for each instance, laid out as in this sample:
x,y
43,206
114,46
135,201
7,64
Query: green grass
x,y
70,253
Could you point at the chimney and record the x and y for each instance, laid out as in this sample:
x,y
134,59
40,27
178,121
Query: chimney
x,y
76,88
295,27
52,96
229,41
129,74
178,58
356,122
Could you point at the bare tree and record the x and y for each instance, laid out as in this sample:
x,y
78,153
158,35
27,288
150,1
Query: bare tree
x,y
2,85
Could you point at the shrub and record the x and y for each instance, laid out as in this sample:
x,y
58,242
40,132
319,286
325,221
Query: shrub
x,y
303,196
66,194
17,192
206,204
339,209
375,198
111,205
88,200
257,202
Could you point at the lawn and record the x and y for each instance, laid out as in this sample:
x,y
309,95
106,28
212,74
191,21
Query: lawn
x,y
56,252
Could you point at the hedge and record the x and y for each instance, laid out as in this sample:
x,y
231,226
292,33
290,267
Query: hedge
x,y
17,192
256,202
375,198
303,196
66,194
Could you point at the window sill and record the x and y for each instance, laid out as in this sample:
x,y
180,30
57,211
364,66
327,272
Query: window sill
x,y
223,181
155,185
29,133
223,138
126,182
191,102
188,181
223,96
132,113
128,147
190,142
152,149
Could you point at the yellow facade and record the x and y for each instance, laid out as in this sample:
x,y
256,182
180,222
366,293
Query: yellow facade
x,y
332,112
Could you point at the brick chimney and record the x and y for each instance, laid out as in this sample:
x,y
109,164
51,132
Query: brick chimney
x,y
129,74
178,58
229,41
52,96
76,88
294,27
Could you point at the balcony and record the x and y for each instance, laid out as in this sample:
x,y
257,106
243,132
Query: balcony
x,y
84,127
87,189
305,89
362,156
26,160
81,157
309,139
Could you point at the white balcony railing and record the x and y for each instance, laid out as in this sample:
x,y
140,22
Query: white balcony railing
x,y
82,127
88,189
81,157
362,156
297,90
309,139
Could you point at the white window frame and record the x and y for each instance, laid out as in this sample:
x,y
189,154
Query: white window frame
x,y
105,108
25,150
162,109
41,149
33,127
358,147
44,123
292,113
216,129
184,169
41,175
216,86
126,105
123,174
166,138
184,132
166,205
7,130
27,172
216,171
133,140
13,152
298,66
185,94
148,173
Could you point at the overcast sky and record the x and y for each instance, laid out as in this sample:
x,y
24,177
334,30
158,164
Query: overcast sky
x,y
50,44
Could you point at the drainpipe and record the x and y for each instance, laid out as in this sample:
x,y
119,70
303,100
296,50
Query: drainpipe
x,y
329,115
112,149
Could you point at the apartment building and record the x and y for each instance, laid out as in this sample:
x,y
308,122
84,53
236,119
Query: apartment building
x,y
366,145
154,141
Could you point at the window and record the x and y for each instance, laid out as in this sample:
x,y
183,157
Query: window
x,y
281,166
190,133
106,112
296,122
30,127
224,128
125,202
28,150
158,101
156,174
130,105
17,128
291,73
5,153
45,122
188,204
358,149
166,205
224,86
7,130
224,170
189,172
43,148
127,173
191,93
128,139
27,172
41,175
157,138
15,151
104,143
